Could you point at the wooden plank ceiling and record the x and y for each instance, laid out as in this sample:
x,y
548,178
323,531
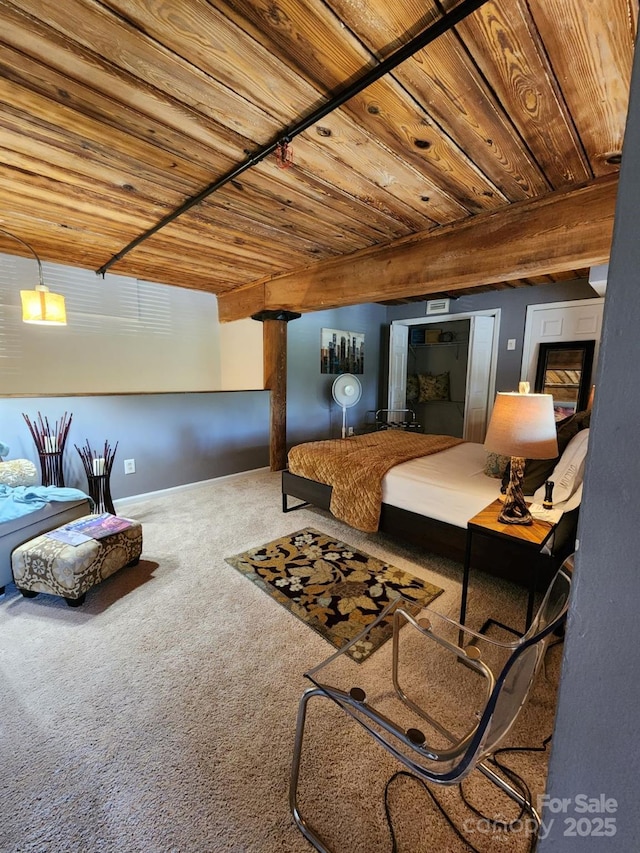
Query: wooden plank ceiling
x,y
468,155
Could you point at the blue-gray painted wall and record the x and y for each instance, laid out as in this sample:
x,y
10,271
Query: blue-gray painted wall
x,y
174,438
311,412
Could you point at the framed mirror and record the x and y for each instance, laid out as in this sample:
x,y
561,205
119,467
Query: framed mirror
x,y
564,371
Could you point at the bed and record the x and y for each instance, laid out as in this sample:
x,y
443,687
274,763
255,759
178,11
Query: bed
x,y
425,500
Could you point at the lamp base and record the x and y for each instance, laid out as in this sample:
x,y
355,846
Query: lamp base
x,y
515,509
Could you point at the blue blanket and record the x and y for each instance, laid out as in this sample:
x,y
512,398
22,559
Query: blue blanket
x,y
21,500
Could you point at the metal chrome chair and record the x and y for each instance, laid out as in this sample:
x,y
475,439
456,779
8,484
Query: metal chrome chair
x,y
450,752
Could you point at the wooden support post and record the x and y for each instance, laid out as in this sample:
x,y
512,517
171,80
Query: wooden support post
x,y
275,380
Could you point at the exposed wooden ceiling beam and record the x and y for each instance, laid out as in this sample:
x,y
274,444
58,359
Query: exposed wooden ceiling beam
x,y
561,231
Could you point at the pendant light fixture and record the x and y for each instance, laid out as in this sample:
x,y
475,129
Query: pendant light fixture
x,y
40,305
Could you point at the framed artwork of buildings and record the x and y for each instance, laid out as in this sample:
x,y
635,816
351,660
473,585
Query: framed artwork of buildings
x,y
341,352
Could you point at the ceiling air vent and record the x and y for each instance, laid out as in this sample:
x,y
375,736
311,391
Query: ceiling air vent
x,y
437,306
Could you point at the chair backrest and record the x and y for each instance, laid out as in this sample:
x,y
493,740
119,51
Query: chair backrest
x,y
554,604
517,676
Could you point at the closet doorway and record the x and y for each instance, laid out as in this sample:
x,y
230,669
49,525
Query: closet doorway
x,y
444,369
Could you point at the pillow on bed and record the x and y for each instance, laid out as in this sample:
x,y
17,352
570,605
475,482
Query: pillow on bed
x,y
413,388
568,474
538,471
496,464
433,387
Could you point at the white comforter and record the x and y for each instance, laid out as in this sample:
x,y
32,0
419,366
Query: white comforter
x,y
449,486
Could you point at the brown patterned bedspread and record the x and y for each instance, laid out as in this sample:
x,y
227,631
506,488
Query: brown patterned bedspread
x,y
355,466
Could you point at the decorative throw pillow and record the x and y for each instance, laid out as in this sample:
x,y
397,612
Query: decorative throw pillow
x,y
496,465
413,388
18,472
568,474
433,387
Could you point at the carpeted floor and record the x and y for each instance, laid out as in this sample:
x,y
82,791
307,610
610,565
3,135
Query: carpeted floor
x,y
159,717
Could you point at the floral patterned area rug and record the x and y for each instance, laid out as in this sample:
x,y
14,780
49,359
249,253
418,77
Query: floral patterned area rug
x,y
336,589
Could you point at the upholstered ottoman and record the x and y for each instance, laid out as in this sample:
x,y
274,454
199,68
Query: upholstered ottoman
x,y
47,565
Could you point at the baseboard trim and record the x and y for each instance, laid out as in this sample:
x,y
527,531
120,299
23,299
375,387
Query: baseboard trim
x,y
122,502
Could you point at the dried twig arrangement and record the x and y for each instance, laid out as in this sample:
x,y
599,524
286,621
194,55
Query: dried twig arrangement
x,y
97,464
98,471
48,439
50,443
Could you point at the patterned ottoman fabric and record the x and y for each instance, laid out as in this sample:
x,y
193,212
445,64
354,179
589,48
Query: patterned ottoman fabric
x,y
47,565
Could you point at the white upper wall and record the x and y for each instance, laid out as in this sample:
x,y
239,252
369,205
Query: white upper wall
x,y
241,356
122,335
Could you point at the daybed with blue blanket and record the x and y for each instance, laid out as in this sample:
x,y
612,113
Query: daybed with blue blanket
x,y
28,511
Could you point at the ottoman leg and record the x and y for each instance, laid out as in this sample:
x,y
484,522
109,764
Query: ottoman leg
x,y
76,602
132,563
28,593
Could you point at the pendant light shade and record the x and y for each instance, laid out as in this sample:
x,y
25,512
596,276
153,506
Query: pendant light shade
x,y
43,307
40,305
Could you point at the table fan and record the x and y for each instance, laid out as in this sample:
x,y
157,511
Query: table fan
x,y
346,391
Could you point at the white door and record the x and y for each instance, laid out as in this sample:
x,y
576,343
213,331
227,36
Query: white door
x,y
479,369
398,354
580,320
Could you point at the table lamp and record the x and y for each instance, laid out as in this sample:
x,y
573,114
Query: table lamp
x,y
522,426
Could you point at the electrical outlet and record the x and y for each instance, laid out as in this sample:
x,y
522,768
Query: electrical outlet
x,y
129,466
511,343
350,431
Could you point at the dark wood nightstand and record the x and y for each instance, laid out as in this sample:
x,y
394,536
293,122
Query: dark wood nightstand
x,y
530,537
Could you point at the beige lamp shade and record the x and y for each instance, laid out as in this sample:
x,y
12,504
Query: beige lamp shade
x,y
523,425
43,307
